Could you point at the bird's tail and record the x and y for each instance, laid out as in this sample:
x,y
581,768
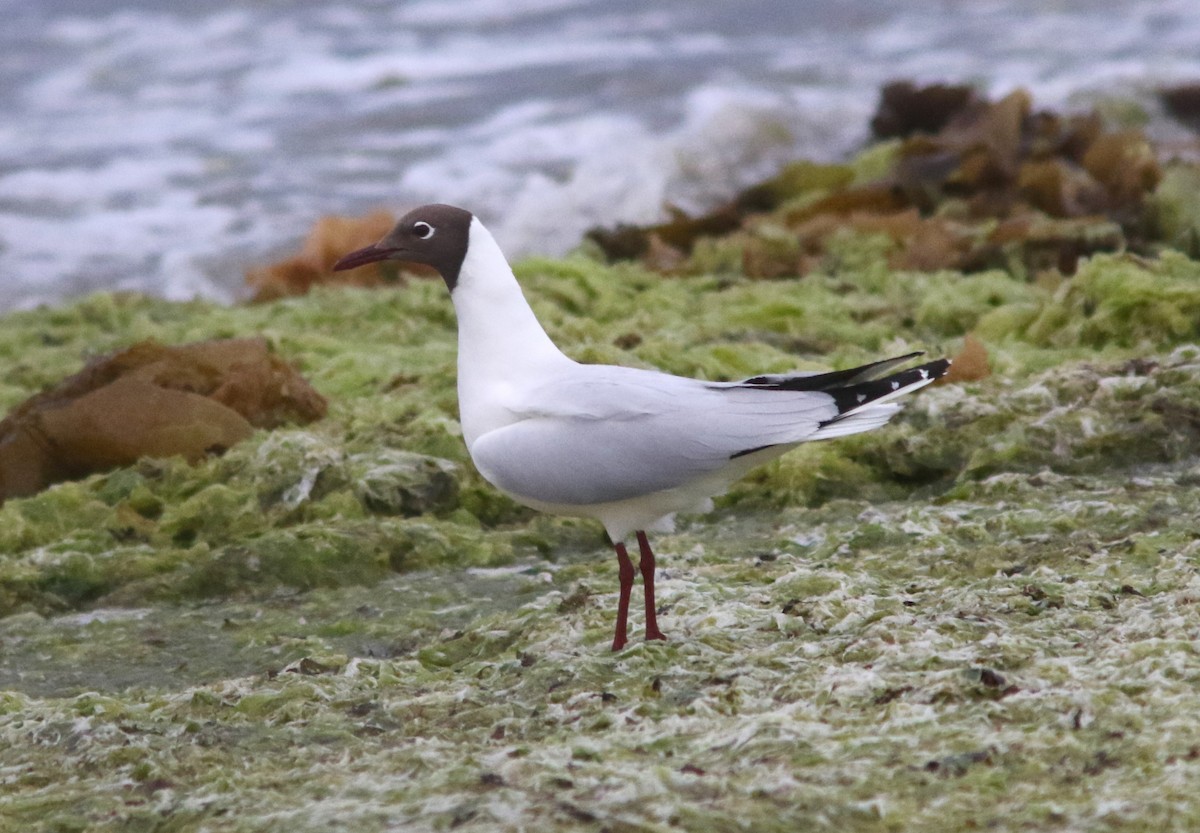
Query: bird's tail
x,y
863,405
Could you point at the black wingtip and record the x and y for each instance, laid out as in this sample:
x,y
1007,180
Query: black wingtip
x,y
850,398
834,379
855,388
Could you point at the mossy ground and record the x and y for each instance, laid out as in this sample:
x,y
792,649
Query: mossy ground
x,y
983,616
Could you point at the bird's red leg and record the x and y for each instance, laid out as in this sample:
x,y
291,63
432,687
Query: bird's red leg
x,y
647,566
625,573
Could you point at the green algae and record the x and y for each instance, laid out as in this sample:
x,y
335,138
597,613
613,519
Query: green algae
x,y
827,687
1123,301
982,615
1176,204
1084,380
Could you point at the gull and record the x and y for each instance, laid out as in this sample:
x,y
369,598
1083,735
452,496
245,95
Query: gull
x,y
625,446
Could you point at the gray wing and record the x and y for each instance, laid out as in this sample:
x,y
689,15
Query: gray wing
x,y
611,433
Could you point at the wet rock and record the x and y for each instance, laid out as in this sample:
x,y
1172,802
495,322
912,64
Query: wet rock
x,y
150,400
1183,103
904,108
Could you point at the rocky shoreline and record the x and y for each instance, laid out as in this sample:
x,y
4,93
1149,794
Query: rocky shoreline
x,y
982,616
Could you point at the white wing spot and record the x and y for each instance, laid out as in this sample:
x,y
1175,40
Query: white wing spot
x,y
924,373
861,397
895,386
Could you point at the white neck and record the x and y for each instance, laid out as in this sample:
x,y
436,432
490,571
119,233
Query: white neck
x,y
502,347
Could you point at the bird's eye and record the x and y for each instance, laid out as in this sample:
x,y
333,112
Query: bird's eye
x,y
422,230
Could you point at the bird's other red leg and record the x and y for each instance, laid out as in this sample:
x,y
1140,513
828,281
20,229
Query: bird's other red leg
x,y
625,572
647,567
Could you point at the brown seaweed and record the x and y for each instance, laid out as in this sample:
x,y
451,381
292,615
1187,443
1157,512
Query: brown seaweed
x,y
972,184
329,239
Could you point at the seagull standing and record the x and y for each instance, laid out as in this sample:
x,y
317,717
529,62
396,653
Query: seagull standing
x,y
626,446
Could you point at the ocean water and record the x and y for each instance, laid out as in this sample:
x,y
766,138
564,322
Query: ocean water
x,y
166,146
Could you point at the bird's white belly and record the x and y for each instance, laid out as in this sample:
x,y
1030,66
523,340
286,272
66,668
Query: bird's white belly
x,y
654,512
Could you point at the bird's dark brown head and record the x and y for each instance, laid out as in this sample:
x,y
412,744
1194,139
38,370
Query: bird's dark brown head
x,y
435,235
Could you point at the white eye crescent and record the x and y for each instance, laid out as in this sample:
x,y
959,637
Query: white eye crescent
x,y
423,230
